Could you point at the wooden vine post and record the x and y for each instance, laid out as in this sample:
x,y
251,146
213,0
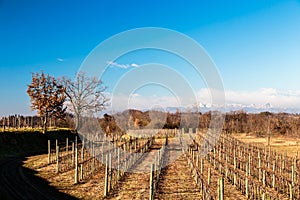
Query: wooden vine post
x,y
119,173
259,166
246,181
273,176
67,146
49,152
293,184
110,172
82,159
57,159
106,177
234,167
76,165
73,155
201,165
221,188
93,156
151,182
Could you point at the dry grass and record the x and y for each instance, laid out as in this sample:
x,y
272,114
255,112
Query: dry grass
x,y
278,143
94,187
64,182
176,182
230,191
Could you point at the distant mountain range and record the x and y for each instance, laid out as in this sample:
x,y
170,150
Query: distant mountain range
x,y
252,108
230,107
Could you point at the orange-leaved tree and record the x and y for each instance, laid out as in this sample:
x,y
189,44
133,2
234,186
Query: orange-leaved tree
x,y
47,97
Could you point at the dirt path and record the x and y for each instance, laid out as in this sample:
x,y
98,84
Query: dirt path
x,y
135,184
17,182
176,180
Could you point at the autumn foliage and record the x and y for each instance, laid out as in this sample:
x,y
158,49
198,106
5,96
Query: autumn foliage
x,y
47,97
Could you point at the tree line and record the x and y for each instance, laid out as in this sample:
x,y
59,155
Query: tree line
x,y
262,124
21,121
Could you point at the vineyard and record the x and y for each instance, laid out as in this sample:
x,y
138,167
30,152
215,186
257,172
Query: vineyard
x,y
171,164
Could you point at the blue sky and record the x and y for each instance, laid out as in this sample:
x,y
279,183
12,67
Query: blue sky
x,y
254,44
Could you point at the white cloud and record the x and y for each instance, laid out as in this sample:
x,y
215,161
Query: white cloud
x,y
148,102
262,96
277,98
134,65
123,66
141,102
60,59
204,97
280,100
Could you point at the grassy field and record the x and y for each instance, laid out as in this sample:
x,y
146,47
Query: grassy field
x,y
279,143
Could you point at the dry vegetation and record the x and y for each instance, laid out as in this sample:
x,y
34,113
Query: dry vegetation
x,y
279,143
64,182
177,180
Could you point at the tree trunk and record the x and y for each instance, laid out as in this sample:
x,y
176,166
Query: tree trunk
x,y
45,123
4,122
76,121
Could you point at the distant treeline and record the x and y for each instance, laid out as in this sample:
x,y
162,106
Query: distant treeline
x,y
235,122
262,123
20,121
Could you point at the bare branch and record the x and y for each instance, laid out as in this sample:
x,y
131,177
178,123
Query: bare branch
x,y
85,94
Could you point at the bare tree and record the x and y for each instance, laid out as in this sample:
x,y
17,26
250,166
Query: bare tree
x,y
47,97
86,94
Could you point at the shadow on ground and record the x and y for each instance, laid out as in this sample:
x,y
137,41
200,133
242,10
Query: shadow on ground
x,y
17,181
